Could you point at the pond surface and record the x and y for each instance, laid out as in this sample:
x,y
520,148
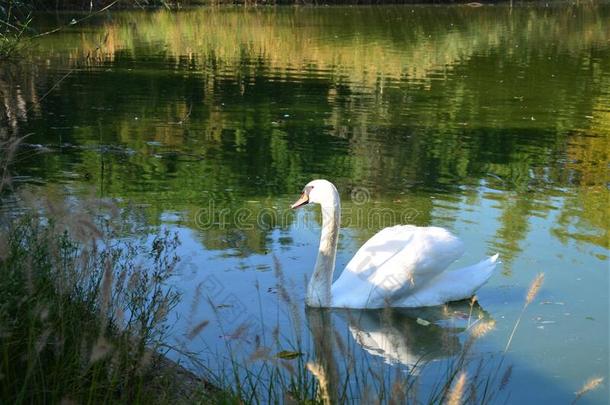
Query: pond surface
x,y
491,122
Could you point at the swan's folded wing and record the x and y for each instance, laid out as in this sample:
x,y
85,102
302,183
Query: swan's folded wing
x,y
394,263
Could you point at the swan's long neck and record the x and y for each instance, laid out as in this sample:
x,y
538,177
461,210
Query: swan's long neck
x,y
318,290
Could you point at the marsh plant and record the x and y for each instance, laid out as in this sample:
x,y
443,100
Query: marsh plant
x,y
83,310
15,19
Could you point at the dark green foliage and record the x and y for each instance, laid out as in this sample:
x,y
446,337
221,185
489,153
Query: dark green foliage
x,y
15,18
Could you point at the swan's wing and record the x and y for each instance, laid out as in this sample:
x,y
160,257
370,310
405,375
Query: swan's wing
x,y
393,264
452,285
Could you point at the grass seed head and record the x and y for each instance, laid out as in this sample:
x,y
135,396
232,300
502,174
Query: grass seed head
x,y
591,385
318,371
197,329
457,391
100,350
482,328
534,288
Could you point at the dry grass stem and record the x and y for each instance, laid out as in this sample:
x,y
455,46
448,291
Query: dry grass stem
x,y
106,287
531,294
506,377
473,300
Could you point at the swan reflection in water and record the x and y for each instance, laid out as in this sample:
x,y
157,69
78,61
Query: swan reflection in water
x,y
409,337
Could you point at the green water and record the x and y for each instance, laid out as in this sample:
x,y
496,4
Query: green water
x,y
491,122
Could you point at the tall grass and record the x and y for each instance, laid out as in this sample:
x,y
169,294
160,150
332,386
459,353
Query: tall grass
x,y
84,300
531,294
83,311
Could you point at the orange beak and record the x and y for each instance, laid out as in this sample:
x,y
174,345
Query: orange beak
x,y
303,199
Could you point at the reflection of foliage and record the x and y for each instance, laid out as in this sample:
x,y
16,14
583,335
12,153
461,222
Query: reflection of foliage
x,y
514,222
428,39
17,90
446,98
589,209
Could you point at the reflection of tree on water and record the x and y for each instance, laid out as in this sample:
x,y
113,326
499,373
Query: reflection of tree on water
x,y
589,159
18,95
393,128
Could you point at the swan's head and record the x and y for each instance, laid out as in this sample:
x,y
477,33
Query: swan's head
x,y
321,192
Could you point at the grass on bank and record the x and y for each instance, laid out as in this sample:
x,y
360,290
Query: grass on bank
x,y
81,315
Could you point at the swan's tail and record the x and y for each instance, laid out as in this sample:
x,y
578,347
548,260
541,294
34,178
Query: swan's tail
x,y
453,285
476,275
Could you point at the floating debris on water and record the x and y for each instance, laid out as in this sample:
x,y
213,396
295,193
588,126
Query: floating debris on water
x,y
288,355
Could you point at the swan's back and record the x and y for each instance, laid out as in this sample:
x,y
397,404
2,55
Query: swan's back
x,y
394,264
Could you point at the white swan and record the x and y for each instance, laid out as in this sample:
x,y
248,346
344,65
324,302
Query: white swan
x,y
400,266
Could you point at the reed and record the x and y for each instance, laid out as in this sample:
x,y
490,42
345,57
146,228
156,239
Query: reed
x,y
531,295
84,306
